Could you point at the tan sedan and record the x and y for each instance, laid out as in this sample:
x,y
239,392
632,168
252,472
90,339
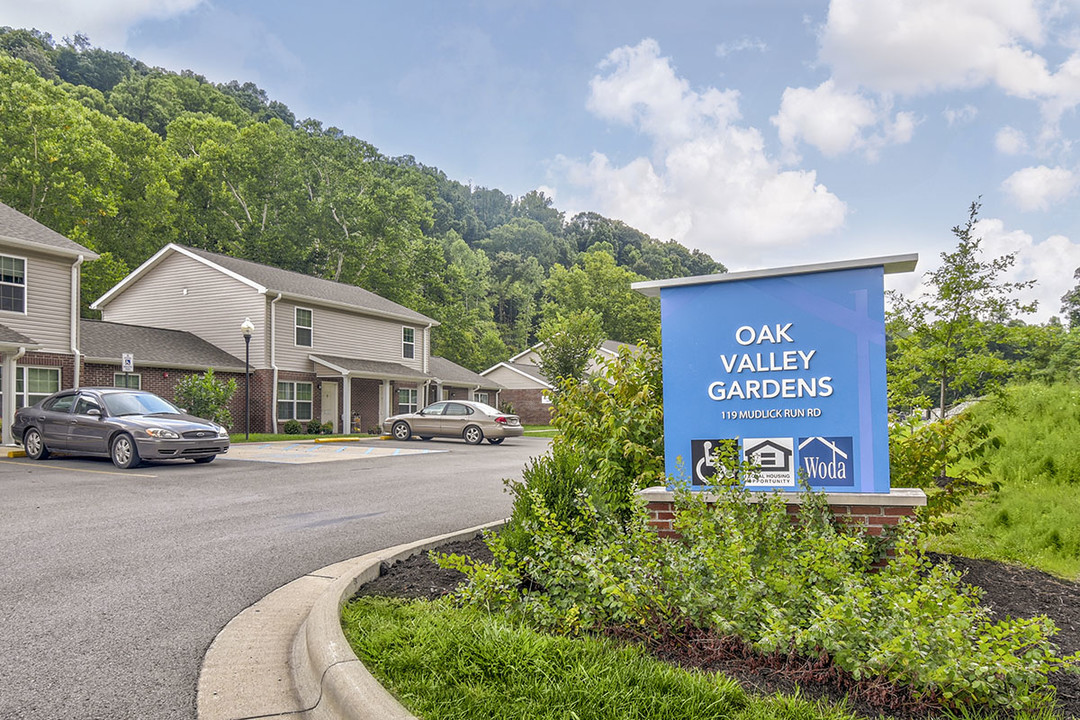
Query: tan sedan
x,y
471,421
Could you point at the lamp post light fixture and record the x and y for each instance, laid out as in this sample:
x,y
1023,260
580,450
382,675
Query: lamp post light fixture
x,y
246,328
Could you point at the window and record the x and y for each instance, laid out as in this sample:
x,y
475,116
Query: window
x,y
303,327
34,384
127,380
85,405
12,284
458,409
482,397
408,343
406,400
545,397
60,404
294,400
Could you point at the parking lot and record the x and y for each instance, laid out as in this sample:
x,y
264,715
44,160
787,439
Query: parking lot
x,y
115,582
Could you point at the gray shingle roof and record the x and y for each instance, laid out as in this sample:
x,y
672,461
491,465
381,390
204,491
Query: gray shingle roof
x,y
297,284
617,347
16,226
105,341
530,370
9,336
370,367
453,374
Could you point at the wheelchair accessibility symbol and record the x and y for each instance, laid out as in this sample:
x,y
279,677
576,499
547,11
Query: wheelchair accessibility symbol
x,y
703,459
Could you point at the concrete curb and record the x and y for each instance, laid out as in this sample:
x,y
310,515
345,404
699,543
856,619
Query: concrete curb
x,y
286,656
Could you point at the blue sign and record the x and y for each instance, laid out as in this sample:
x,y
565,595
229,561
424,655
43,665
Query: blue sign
x,y
790,367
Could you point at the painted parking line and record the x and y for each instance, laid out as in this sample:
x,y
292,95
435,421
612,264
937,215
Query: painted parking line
x,y
68,468
296,453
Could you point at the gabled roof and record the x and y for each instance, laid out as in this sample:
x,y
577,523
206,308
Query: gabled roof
x,y
450,373
266,279
105,341
19,229
530,371
10,337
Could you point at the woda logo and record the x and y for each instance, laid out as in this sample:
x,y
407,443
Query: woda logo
x,y
827,461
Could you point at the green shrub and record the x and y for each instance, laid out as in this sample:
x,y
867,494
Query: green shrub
x,y
327,428
293,427
314,427
205,397
742,567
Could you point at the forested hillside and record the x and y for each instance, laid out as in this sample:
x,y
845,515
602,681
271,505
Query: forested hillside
x,y
125,158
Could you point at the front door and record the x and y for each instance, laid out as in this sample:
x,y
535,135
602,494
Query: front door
x,y
330,412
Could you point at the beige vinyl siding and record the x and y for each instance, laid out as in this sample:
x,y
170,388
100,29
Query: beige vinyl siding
x,y
337,332
530,358
48,300
213,306
512,380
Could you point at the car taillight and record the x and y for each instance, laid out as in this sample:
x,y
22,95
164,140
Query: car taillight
x,y
500,420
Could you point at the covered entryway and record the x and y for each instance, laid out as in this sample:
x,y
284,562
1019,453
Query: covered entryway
x,y
330,410
368,396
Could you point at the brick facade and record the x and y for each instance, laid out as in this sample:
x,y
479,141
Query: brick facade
x,y
365,406
527,405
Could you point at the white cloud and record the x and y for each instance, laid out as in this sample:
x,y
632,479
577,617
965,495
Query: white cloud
x,y
837,122
741,45
1010,141
960,116
1037,188
913,47
709,182
1051,263
105,22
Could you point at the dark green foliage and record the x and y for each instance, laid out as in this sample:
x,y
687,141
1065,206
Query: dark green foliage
x,y
314,427
292,427
124,159
206,397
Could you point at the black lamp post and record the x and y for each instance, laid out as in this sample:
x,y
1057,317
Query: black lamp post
x,y
246,328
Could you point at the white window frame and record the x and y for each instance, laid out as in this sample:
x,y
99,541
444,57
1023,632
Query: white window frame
x,y
545,397
22,397
411,406
409,343
297,327
291,403
25,283
482,397
128,377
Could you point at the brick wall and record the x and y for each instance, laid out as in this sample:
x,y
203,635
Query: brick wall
x,y
873,513
365,401
527,406
66,363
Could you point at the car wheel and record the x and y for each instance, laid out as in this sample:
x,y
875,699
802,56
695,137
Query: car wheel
x,y
123,452
473,435
496,441
34,445
401,431
204,460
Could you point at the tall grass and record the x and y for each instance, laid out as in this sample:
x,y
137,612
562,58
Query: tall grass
x,y
1034,517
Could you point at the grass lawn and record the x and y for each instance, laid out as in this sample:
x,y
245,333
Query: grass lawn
x,y
445,663
540,430
236,438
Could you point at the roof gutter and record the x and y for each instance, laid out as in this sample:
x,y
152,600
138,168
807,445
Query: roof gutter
x,y
75,275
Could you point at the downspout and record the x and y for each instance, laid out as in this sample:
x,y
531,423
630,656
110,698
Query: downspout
x,y
75,318
427,347
273,362
9,396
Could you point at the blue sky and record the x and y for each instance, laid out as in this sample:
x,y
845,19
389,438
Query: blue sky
x,y
767,133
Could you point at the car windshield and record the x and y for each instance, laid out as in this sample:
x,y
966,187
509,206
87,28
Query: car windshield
x,y
487,409
137,404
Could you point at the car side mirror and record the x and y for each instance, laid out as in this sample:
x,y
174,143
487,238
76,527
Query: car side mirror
x,y
94,412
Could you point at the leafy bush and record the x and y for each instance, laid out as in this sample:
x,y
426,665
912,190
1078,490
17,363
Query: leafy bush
x,y
314,427
293,427
615,422
327,428
743,568
205,397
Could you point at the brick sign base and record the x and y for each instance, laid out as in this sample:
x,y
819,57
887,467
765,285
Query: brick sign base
x,y
874,511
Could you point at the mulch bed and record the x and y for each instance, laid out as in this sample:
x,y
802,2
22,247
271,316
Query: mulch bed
x,y
1009,592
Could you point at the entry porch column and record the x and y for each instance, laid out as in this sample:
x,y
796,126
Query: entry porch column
x,y
346,403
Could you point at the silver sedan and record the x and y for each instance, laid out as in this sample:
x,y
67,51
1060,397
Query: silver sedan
x,y
128,426
471,421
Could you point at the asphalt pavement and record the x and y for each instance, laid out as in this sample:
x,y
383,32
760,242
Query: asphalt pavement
x,y
114,583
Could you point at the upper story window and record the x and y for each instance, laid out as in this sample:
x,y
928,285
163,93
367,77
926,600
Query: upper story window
x,y
12,284
303,327
408,343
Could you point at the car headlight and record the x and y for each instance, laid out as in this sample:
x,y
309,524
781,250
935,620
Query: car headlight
x,y
222,432
161,434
